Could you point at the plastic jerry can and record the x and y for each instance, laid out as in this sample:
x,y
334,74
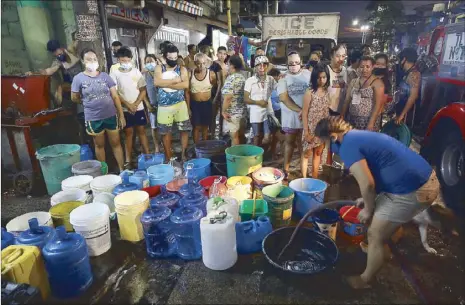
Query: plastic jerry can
x,y
36,235
140,178
145,161
227,204
158,232
218,235
125,175
250,234
24,264
8,239
67,263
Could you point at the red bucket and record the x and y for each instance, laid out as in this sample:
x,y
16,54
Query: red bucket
x,y
352,228
208,182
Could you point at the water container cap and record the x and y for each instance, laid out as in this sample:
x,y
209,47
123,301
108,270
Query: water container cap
x,y
124,187
64,242
186,215
155,214
35,233
193,199
89,212
197,189
140,173
165,198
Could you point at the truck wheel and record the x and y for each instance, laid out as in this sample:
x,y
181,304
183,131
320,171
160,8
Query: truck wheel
x,y
450,168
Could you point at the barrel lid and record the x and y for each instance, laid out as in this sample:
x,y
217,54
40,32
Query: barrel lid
x,y
89,212
63,242
165,198
125,187
35,233
155,214
186,214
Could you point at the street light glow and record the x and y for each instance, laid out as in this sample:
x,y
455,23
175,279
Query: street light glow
x,y
355,22
365,27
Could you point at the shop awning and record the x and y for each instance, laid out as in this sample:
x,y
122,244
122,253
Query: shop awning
x,y
183,6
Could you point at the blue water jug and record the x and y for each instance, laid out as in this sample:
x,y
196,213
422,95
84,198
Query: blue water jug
x,y
158,232
86,153
124,187
8,239
250,234
186,222
160,174
166,199
67,263
192,182
36,235
194,198
145,161
125,175
140,178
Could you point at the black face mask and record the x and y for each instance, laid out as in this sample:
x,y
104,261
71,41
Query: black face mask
x,y
379,71
313,63
171,63
240,34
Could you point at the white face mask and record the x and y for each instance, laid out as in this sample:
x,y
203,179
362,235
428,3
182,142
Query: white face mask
x,y
92,66
294,69
126,66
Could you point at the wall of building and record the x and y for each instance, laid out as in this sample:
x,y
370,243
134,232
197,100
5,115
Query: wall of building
x,y
63,19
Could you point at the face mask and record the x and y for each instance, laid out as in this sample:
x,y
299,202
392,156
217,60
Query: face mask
x,y
61,57
92,66
150,66
171,63
379,71
126,66
313,63
240,34
294,69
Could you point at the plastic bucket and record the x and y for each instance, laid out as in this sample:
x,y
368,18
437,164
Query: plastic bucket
x,y
218,165
174,185
266,176
201,167
90,167
21,223
104,168
279,198
109,200
208,182
309,193
233,181
92,222
60,214
104,184
160,174
242,160
210,148
69,195
77,182
246,210
326,221
399,132
129,207
353,230
56,162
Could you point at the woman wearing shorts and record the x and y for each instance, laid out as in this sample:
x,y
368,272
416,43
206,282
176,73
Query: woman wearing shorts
x,y
102,108
396,184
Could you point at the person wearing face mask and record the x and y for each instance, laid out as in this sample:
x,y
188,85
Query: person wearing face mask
x,y
149,74
131,88
314,60
382,72
115,46
240,43
365,98
354,62
338,79
277,136
172,81
96,91
396,184
291,90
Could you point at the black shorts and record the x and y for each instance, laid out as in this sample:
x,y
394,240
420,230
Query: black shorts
x,y
202,113
333,113
137,119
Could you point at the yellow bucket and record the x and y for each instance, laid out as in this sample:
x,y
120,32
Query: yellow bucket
x,y
129,207
233,181
60,214
24,265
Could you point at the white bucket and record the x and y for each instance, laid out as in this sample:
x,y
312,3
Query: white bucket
x,y
20,223
105,184
92,222
77,182
109,200
69,195
129,207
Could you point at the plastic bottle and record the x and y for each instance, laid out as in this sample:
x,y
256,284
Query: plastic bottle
x,y
177,168
86,153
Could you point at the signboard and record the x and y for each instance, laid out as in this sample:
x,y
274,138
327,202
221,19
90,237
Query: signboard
x,y
88,28
140,16
301,26
454,51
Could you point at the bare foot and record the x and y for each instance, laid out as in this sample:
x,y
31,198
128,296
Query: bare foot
x,y
356,282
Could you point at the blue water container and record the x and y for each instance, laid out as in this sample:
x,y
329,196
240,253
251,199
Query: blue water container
x,y
125,175
86,153
124,187
160,174
145,161
197,188
186,222
8,239
166,199
194,199
140,178
201,167
158,232
67,263
250,234
309,193
36,235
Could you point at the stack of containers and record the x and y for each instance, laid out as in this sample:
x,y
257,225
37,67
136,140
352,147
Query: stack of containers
x,y
129,207
104,183
78,182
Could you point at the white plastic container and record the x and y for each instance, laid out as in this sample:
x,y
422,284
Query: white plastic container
x,y
129,207
93,223
109,200
20,223
218,236
227,204
69,195
105,184
77,182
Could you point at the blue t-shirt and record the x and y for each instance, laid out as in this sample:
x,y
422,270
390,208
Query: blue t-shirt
x,y
275,100
396,169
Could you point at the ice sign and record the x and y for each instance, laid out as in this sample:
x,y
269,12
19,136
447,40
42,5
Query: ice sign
x,y
454,52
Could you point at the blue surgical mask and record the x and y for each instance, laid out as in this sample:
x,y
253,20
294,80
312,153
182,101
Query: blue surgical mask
x,y
61,57
150,66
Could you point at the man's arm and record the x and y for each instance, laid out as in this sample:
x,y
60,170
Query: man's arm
x,y
52,70
414,82
164,83
366,182
183,83
258,43
215,79
141,97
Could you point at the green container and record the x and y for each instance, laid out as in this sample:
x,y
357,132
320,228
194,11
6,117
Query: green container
x,y
246,209
242,160
56,162
279,198
104,168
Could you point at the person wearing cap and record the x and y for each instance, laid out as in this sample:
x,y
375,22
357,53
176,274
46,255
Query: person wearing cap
x,y
257,95
240,42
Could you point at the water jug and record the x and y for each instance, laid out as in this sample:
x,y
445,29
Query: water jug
x,y
191,183
226,204
165,198
125,175
218,235
195,199
124,187
67,263
250,234
186,222
158,232
36,235
177,168
140,178
8,239
86,153
145,161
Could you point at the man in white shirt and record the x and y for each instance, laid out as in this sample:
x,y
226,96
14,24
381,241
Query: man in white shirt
x,y
338,79
131,87
257,95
